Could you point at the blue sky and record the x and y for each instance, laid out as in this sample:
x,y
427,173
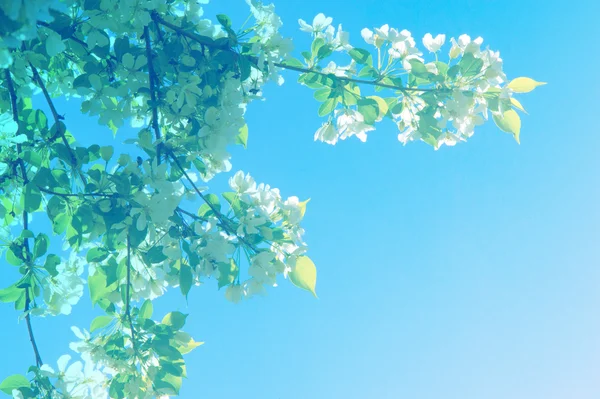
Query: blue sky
x,y
466,273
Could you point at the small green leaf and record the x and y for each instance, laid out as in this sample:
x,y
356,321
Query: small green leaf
x,y
147,309
31,198
328,106
106,152
361,56
175,320
382,106
54,44
517,104
304,274
50,265
14,381
509,122
97,286
293,62
242,137
100,322
469,65
10,294
369,110
186,278
227,273
40,245
97,254
224,20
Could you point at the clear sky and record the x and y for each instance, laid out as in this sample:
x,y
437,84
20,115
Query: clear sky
x,y
470,272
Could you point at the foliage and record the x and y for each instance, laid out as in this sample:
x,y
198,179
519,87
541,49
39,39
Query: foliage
x,y
185,82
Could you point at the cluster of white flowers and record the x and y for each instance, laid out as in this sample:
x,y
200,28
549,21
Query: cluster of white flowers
x,y
266,213
443,120
401,45
64,290
78,380
321,27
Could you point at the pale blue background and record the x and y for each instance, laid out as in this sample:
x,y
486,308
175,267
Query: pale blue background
x,y
467,273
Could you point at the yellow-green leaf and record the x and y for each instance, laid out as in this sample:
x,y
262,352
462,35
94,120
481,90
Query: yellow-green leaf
x,y
517,104
383,106
189,346
524,85
100,322
509,122
304,274
302,206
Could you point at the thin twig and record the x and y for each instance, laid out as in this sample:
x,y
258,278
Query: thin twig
x,y
127,296
106,195
222,219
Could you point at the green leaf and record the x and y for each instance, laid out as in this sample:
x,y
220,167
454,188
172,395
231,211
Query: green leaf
x,y
242,137
97,286
146,310
293,62
382,106
213,200
175,320
325,51
121,47
12,258
186,279
188,346
304,274
51,262
517,104
10,294
316,45
31,198
106,152
328,106
54,44
14,381
418,69
524,85
97,254
224,20
100,322
227,273
469,65
40,245
509,122
369,109
322,94
361,56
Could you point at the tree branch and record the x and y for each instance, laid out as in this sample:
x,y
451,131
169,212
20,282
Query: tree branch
x,y
15,112
57,118
210,43
153,90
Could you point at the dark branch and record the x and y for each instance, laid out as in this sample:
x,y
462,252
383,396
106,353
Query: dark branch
x,y
15,112
210,43
57,121
153,78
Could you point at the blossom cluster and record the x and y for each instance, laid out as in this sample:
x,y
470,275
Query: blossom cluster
x,y
438,102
